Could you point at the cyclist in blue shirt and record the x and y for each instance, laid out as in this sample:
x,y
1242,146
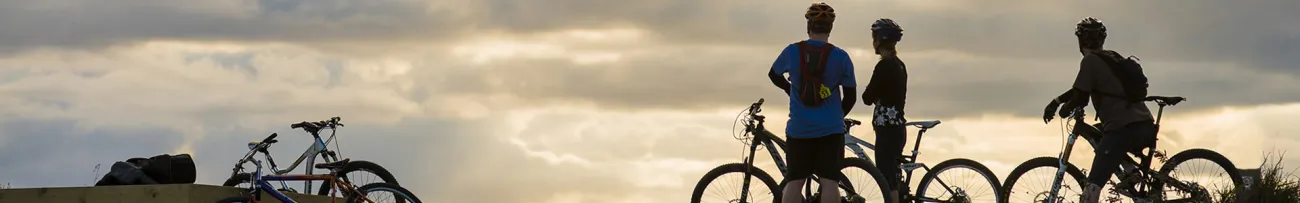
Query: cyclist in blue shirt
x,y
815,131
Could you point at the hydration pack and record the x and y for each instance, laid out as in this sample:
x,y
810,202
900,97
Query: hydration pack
x,y
812,90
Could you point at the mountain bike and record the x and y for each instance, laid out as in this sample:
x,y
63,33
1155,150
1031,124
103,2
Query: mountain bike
x,y
1137,180
319,148
755,135
261,183
948,190
754,126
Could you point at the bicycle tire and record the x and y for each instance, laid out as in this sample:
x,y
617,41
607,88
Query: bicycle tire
x,y
240,199
1212,156
871,170
403,193
988,175
762,176
1041,162
360,166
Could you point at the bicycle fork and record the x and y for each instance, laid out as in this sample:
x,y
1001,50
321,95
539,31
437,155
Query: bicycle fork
x,y
1063,160
749,161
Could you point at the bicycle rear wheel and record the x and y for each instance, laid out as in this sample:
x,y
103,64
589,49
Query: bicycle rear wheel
x,y
1213,178
723,184
352,173
368,191
1032,182
963,180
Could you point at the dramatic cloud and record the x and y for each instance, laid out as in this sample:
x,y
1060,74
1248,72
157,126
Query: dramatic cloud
x,y
588,101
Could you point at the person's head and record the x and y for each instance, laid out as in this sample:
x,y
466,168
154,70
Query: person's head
x,y
885,34
1091,34
821,17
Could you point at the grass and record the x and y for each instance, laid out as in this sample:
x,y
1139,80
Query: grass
x,y
1276,184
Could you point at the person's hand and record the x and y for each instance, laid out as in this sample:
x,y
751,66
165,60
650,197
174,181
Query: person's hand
x,y
1067,112
1047,112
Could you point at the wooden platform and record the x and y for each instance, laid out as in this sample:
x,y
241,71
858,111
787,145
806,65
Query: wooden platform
x,y
170,193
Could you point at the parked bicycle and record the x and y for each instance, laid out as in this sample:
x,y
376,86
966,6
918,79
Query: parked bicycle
x,y
979,185
1137,180
353,194
319,148
756,134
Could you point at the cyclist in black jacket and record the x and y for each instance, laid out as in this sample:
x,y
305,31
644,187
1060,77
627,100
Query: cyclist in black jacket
x,y
1126,125
888,92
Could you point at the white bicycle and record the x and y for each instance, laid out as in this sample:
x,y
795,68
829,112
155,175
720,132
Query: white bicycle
x,y
319,148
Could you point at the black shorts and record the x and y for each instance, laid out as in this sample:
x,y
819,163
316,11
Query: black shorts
x,y
823,156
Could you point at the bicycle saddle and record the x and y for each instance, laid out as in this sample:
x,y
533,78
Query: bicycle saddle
x,y
1163,100
923,124
333,165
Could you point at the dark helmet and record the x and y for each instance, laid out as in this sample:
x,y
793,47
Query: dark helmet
x,y
885,29
820,17
1091,32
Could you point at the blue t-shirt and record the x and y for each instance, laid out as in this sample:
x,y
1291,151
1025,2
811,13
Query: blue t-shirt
x,y
827,119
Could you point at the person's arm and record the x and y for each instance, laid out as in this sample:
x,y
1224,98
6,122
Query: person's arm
x,y
872,92
1083,85
779,81
848,86
779,67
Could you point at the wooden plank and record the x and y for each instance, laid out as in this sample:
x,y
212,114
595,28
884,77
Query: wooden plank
x,y
169,193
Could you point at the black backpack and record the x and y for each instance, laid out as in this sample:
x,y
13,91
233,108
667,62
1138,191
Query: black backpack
x,y
161,169
812,66
1129,73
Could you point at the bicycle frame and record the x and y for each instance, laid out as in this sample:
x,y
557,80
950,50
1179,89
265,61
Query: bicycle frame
x,y
318,148
1093,135
907,162
768,139
771,141
262,183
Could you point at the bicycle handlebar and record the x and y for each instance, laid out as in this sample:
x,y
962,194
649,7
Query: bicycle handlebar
x,y
315,127
270,139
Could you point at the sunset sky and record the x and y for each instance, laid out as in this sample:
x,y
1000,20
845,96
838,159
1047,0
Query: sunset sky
x,y
560,101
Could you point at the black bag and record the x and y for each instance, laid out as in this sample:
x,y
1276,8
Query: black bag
x,y
170,169
161,169
1129,73
812,66
125,173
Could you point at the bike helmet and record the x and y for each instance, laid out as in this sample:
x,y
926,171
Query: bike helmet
x,y
1091,32
885,29
820,17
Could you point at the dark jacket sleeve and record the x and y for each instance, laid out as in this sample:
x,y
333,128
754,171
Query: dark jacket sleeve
x,y
872,93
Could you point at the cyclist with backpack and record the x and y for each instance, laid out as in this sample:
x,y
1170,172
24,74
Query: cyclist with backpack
x,y
888,92
1116,86
815,131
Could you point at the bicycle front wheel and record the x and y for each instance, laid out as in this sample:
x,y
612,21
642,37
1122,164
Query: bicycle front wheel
x,y
724,183
369,193
960,180
353,174
1207,175
1032,182
870,187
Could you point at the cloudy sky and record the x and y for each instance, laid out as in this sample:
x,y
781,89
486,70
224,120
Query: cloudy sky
x,y
589,100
